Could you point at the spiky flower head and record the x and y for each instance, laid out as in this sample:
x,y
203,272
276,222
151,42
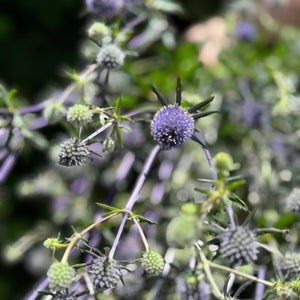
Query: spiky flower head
x,y
53,112
239,245
110,56
105,273
293,200
172,126
63,296
99,32
79,115
60,276
152,262
73,152
104,8
289,265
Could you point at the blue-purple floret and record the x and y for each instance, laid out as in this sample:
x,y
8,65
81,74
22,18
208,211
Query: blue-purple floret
x,y
172,126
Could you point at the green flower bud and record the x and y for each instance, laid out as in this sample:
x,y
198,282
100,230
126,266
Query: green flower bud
x,y
52,243
109,145
79,115
60,276
54,112
152,262
223,162
182,231
100,33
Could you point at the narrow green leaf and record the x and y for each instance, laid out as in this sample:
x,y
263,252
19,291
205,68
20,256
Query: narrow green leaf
x,y
159,95
119,137
203,191
118,103
109,213
107,206
201,105
124,118
249,217
238,202
143,219
236,184
206,180
205,114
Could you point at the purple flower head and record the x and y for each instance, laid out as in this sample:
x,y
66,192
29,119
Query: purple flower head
x,y
245,31
104,8
172,126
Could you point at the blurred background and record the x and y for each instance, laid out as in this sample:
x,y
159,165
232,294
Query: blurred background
x,y
246,53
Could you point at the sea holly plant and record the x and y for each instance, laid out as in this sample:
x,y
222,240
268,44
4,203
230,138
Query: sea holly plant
x,y
172,126
169,235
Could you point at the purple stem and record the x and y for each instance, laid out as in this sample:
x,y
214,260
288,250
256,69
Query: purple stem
x,y
134,196
260,288
32,109
38,287
7,166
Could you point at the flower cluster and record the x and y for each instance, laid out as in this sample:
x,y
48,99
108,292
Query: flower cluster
x,y
60,276
105,273
73,152
172,126
239,245
110,56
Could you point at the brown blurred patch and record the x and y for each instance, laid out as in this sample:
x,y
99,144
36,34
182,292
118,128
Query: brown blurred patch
x,y
213,34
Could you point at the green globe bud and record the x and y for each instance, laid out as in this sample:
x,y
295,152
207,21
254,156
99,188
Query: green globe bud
x,y
54,112
152,262
60,276
100,33
79,115
223,162
182,231
182,257
109,145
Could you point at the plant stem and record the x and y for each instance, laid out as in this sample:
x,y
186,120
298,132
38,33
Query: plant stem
x,y
247,276
134,196
141,234
207,271
80,235
97,132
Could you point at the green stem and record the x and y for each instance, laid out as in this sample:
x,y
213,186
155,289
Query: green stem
x,y
208,272
141,234
247,276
